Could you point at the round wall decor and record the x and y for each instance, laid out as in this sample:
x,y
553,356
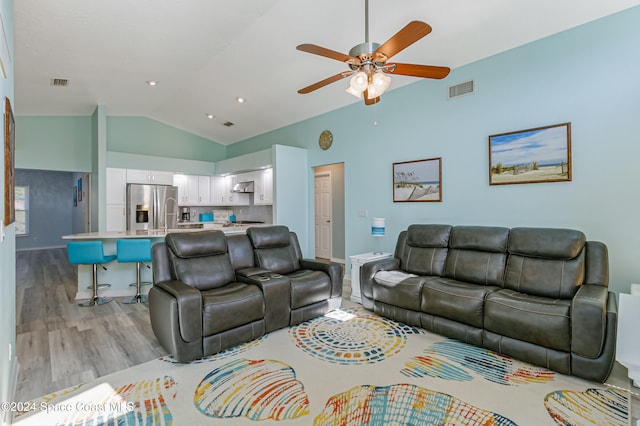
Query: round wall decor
x,y
326,139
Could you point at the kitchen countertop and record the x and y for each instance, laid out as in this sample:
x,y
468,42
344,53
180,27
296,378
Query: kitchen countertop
x,y
160,233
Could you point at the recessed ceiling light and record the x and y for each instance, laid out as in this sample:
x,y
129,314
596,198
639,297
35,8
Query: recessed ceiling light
x,y
210,116
152,83
240,100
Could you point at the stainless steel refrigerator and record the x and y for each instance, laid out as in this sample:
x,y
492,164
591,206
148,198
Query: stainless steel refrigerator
x,y
151,206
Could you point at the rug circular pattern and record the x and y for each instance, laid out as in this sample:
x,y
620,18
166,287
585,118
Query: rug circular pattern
x,y
351,336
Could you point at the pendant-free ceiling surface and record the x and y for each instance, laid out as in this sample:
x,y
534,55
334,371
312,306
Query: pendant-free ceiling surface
x,y
206,53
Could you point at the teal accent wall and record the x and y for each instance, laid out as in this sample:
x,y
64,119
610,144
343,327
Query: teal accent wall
x,y
142,135
54,143
587,76
8,365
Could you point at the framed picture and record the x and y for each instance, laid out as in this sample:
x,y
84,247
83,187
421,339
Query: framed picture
x,y
80,189
419,180
75,196
9,164
535,155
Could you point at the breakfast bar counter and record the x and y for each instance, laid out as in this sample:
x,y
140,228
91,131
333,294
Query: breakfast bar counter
x,y
121,275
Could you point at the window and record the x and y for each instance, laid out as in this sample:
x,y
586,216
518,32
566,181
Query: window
x,y
22,210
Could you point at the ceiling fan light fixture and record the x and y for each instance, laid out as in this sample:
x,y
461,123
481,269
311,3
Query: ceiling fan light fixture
x,y
354,92
359,82
381,81
373,92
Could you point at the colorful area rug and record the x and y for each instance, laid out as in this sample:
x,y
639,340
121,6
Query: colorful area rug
x,y
349,367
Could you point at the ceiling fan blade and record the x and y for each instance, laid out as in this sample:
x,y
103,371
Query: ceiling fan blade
x,y
322,83
327,53
404,38
368,101
424,71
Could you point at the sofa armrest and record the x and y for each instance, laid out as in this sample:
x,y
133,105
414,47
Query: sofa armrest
x,y
333,269
250,272
189,301
589,320
367,271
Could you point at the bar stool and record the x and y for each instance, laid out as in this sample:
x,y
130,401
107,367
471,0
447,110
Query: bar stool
x,y
138,251
90,253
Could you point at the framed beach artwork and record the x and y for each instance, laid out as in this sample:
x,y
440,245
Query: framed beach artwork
x,y
535,155
9,164
419,180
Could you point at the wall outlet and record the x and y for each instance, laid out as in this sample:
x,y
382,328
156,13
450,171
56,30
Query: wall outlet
x,y
363,213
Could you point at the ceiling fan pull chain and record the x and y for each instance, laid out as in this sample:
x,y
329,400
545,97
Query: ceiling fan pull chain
x,y
375,114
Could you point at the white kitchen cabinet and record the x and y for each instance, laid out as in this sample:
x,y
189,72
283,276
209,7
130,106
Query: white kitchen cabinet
x,y
116,187
193,190
180,181
263,186
204,190
149,176
217,190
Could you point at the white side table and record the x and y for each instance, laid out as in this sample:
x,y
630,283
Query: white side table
x,y
357,261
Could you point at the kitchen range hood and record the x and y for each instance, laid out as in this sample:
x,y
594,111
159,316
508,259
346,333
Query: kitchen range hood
x,y
243,187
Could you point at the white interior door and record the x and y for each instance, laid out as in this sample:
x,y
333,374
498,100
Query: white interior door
x,y
323,217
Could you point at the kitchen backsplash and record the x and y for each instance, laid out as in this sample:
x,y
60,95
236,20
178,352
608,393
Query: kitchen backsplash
x,y
256,213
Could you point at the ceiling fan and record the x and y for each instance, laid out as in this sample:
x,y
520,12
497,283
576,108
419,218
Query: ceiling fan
x,y
368,62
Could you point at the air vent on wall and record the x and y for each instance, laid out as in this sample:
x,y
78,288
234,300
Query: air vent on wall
x,y
59,82
228,124
465,88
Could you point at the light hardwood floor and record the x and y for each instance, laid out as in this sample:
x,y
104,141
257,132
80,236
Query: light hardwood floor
x,y
60,344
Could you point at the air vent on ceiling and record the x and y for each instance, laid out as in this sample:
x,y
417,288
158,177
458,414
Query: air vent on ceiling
x,y
59,82
465,88
228,124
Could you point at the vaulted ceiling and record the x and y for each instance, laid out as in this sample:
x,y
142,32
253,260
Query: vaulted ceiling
x,y
204,54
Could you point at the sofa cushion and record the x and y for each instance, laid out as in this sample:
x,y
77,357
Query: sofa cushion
x,y
197,244
547,243
308,287
455,300
555,278
539,320
404,293
491,239
269,237
477,254
422,249
476,267
273,249
428,235
231,306
204,273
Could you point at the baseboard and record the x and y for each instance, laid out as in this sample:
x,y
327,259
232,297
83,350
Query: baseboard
x,y
40,248
7,415
106,292
335,259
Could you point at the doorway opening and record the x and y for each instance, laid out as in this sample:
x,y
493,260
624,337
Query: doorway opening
x,y
329,214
